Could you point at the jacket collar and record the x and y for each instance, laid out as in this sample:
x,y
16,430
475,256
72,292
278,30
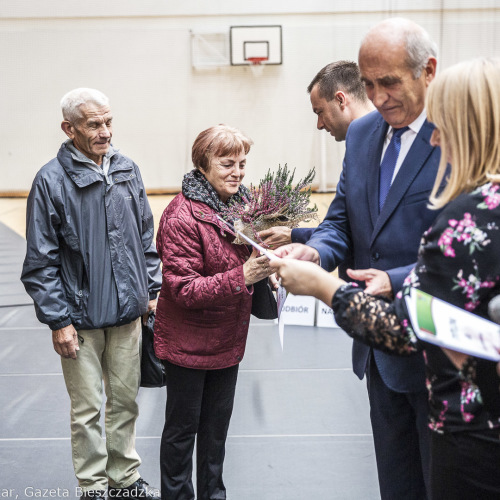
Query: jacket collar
x,y
374,153
81,169
202,212
80,157
416,158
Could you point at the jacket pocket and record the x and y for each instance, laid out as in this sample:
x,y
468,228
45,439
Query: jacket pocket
x,y
74,277
418,197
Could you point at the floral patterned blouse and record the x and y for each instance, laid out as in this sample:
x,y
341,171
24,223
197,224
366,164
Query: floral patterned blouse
x,y
459,261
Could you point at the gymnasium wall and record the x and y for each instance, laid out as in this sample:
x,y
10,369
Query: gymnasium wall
x,y
139,54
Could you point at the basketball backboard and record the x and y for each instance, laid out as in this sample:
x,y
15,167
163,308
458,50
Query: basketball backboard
x,y
251,44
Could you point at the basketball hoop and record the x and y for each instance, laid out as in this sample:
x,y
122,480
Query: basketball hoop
x,y
257,65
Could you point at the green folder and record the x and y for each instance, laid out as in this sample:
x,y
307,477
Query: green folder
x,y
424,313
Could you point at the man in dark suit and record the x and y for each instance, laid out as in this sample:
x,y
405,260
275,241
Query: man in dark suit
x,y
376,219
338,97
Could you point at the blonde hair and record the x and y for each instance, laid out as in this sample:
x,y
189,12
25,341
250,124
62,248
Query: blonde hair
x,y
217,141
464,104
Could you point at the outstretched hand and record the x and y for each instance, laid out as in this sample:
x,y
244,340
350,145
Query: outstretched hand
x,y
276,236
306,278
377,281
298,251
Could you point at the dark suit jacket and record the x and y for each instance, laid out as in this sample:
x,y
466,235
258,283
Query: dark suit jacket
x,y
354,229
302,234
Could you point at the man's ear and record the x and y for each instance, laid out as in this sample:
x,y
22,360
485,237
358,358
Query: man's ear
x,y
340,98
67,128
430,70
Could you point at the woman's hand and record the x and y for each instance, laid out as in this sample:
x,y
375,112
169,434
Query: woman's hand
x,y
273,281
306,278
256,268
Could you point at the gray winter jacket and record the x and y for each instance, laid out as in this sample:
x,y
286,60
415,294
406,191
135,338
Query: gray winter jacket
x,y
90,258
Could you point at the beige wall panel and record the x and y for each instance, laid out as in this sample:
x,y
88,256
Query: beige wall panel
x,y
142,60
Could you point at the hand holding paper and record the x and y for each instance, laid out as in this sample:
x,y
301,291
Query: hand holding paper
x,y
298,251
260,248
305,278
438,322
256,268
277,236
281,293
377,282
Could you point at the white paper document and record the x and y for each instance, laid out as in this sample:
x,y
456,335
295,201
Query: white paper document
x,y
441,323
281,297
281,292
261,249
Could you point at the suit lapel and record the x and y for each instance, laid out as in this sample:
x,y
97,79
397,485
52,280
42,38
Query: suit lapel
x,y
375,147
413,163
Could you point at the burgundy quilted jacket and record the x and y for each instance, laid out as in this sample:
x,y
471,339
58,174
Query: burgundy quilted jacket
x,y
204,306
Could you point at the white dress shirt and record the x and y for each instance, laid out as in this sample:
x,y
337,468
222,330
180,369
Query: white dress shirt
x,y
406,141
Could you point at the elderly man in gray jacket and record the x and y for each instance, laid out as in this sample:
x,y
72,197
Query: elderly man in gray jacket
x,y
92,271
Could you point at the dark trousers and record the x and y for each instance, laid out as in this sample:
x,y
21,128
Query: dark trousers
x,y
402,439
199,403
465,466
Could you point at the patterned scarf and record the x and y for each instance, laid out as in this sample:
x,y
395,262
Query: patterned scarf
x,y
196,187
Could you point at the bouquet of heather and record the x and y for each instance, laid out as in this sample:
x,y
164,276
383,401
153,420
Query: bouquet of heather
x,y
275,202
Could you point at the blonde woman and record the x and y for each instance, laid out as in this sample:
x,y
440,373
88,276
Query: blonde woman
x,y
459,261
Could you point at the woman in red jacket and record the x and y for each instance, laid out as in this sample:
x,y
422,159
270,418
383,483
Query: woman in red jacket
x,y
203,314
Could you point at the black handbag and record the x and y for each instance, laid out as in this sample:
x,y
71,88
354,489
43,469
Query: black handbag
x,y
264,304
152,369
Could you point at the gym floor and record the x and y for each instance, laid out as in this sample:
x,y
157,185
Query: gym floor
x,y
300,428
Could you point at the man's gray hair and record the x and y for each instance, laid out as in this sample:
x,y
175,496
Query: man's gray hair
x,y
419,47
401,31
71,102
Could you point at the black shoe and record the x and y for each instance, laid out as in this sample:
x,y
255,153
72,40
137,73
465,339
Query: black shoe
x,y
95,494
138,490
